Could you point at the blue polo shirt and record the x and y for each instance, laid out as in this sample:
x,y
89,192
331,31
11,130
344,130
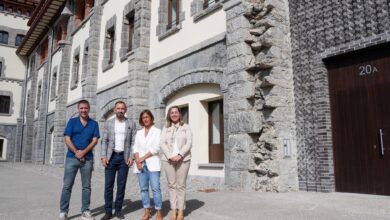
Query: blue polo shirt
x,y
81,135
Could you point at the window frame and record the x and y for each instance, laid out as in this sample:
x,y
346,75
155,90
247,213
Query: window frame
x,y
216,155
4,35
5,105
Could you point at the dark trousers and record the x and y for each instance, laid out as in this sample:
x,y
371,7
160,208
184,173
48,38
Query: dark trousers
x,y
116,165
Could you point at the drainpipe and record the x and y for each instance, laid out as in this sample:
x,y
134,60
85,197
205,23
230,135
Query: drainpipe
x,y
47,97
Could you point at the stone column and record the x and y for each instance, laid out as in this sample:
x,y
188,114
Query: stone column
x,y
260,149
138,83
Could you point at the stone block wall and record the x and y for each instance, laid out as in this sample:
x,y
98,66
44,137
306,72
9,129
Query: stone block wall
x,y
321,29
260,113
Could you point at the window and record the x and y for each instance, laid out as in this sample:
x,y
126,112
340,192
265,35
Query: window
x,y
3,37
112,46
75,70
208,3
53,92
10,9
5,102
28,13
19,39
1,68
1,7
57,36
39,95
44,50
131,33
1,148
83,8
216,154
184,114
80,12
19,12
173,13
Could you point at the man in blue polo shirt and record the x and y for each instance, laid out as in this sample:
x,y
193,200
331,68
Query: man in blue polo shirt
x,y
81,136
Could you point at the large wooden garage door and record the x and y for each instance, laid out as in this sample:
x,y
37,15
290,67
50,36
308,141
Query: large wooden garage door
x,y
359,86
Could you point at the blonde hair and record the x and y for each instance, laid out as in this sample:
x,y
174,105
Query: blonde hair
x,y
168,118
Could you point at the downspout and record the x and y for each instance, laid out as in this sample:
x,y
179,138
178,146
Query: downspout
x,y
49,59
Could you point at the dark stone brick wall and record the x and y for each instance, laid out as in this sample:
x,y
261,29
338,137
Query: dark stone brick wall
x,y
321,29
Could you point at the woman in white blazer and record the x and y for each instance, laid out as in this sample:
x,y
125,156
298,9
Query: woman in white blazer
x,y
148,165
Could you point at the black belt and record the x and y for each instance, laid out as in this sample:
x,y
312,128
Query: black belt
x,y
118,153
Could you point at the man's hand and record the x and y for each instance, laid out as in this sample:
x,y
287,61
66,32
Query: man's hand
x,y
104,162
130,162
79,154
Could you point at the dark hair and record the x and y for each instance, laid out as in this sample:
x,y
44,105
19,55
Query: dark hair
x,y
83,101
148,112
169,121
120,102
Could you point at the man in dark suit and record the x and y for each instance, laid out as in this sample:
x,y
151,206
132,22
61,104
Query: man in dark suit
x,y
116,157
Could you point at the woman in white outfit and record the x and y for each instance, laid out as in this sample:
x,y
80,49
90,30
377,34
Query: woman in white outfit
x,y
176,143
148,166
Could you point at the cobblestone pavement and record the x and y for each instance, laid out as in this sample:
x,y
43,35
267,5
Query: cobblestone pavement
x,y
32,192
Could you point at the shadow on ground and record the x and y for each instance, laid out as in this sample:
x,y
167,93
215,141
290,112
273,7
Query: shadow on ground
x,y
132,206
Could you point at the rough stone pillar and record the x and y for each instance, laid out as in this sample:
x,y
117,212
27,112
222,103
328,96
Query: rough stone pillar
x,y
90,85
18,140
40,141
60,112
30,111
138,75
260,149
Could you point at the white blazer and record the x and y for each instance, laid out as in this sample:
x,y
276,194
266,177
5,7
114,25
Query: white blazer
x,y
150,143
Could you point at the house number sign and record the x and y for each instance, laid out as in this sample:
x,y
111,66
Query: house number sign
x,y
367,69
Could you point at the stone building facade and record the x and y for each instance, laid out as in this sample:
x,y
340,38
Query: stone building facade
x,y
260,63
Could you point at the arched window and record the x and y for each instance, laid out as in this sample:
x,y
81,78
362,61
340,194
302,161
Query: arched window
x,y
28,13
3,37
10,9
1,7
19,12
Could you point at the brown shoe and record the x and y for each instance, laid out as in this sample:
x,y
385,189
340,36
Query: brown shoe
x,y
146,215
180,215
173,216
159,215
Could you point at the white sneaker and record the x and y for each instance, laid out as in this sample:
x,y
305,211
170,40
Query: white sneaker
x,y
87,215
63,216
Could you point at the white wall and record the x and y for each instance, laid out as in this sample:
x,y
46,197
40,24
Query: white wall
x,y
190,34
196,98
120,69
56,61
15,66
16,90
13,21
78,40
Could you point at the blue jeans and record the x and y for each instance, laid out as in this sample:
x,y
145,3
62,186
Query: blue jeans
x,y
144,178
117,164
72,165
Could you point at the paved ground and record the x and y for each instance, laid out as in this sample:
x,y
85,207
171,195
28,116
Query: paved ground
x,y
32,192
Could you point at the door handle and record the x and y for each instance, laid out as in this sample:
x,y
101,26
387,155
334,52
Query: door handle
x,y
381,142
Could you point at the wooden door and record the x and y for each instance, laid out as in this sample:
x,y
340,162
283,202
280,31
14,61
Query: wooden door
x,y
359,87
216,154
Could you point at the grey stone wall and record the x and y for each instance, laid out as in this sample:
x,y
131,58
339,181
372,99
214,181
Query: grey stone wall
x,y
260,113
9,132
138,75
28,133
321,29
